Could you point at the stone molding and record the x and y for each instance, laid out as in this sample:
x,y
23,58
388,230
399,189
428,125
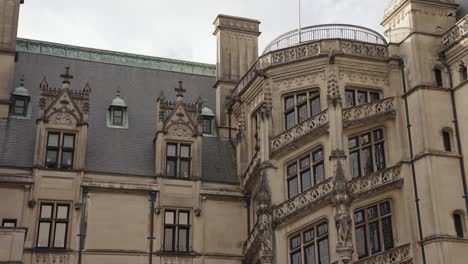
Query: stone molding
x,y
302,201
374,109
456,33
306,128
113,57
377,180
237,23
398,255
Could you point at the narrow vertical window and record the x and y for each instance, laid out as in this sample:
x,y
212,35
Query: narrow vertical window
x,y
184,161
438,77
458,221
447,140
171,160
463,73
52,150
350,98
310,246
176,231
208,126
373,229
117,116
52,225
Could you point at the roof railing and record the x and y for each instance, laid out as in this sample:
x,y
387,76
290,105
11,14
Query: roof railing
x,y
327,31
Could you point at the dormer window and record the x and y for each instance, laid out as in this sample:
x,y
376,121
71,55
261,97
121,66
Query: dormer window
x,y
208,120
20,99
178,160
60,150
117,115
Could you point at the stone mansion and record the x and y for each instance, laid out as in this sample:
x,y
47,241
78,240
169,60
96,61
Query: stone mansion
x,y
333,145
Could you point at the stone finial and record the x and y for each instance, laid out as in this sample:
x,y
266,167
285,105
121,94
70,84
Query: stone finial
x,y
180,90
66,76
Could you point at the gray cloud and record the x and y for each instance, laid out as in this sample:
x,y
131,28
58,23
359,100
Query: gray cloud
x,y
179,29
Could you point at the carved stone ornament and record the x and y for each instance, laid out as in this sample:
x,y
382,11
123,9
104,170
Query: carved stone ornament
x,y
333,92
265,223
180,130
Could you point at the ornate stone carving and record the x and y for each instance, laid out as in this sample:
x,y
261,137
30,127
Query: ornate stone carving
x,y
308,127
177,260
369,110
456,33
333,91
398,255
180,130
380,179
304,200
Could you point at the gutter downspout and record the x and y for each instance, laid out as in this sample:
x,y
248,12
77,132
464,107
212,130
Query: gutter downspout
x,y
82,234
413,169
151,237
457,132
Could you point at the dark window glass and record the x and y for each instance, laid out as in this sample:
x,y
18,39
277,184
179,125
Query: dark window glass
x,y
361,246
169,239
463,73
289,102
60,147
311,172
117,116
319,173
310,247
20,105
438,77
380,156
315,105
176,222
374,96
207,126
354,162
458,221
350,99
306,182
367,153
367,161
52,226
447,141
178,160
361,98
290,122
374,237
387,232
292,187
299,107
302,113
184,168
171,168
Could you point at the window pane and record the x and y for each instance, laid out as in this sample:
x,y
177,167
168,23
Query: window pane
x,y
295,242
385,208
289,120
309,235
53,140
361,245
184,168
387,232
374,96
46,210
51,158
306,182
60,235
296,258
169,217
353,143
359,217
182,240
374,237
457,219
301,98
118,113
207,126
62,212
171,150
305,162
372,213
315,105
185,151
288,102
309,254
380,156
170,168
365,139
322,229
318,155
67,159
43,234
324,257
292,169
68,141
378,134
319,173
302,113
361,98
292,187
367,161
354,164
168,239
350,102
183,218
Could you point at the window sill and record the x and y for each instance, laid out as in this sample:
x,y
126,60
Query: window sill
x,y
50,250
177,254
21,117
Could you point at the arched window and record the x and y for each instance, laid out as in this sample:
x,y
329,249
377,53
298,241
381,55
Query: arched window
x,y
447,138
438,77
458,221
463,73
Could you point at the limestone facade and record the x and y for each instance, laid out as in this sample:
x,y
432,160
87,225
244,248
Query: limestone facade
x,y
346,148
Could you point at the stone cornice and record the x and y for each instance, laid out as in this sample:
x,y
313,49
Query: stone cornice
x,y
113,57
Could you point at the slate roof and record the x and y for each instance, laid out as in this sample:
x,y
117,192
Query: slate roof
x,y
110,150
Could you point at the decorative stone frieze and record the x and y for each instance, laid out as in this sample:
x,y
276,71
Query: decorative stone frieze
x,y
374,109
50,258
306,128
177,260
398,255
304,200
377,180
456,33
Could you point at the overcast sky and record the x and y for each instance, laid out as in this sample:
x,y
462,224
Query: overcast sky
x,y
179,29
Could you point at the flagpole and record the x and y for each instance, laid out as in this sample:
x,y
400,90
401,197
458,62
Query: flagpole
x,y
299,11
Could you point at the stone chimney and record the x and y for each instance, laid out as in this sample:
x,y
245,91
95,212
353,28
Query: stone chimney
x,y
9,13
237,50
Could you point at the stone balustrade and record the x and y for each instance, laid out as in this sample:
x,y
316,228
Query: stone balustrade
x,y
376,180
370,110
306,128
302,201
398,255
456,32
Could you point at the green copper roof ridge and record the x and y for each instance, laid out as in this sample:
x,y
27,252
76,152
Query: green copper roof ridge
x,y
114,57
